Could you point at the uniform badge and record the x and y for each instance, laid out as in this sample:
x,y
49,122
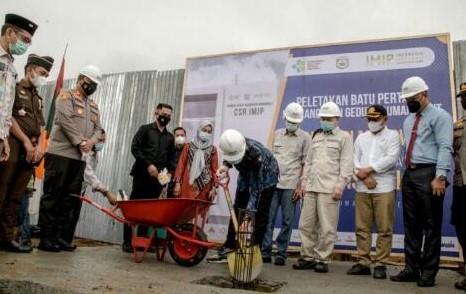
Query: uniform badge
x,y
22,92
80,110
22,112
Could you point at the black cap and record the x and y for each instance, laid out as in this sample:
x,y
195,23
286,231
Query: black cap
x,y
45,61
20,22
376,111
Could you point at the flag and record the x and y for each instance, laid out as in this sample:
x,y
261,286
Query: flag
x,y
48,128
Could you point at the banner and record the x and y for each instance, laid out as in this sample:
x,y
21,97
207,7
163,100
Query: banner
x,y
249,91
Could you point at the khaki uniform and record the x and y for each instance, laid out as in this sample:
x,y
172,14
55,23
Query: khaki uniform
x,y
329,165
8,76
76,118
16,172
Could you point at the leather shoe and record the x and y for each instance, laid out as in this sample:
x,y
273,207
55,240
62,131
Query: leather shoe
x,y
461,285
279,261
405,276
359,270
380,272
304,264
321,267
65,246
15,246
267,259
426,280
47,245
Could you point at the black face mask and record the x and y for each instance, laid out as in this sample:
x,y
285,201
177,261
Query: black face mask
x,y
414,106
163,120
88,88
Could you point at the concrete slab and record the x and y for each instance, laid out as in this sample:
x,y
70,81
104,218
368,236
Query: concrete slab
x,y
105,269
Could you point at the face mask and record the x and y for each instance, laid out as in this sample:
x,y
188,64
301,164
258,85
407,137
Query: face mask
x,y
204,137
88,88
180,140
163,120
414,106
38,80
327,126
99,147
291,127
19,47
374,126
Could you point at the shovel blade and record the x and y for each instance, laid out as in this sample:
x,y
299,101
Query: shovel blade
x,y
245,264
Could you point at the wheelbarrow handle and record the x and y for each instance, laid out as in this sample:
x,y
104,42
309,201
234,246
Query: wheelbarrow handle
x,y
101,208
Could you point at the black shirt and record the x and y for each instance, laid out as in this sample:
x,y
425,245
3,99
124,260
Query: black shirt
x,y
150,146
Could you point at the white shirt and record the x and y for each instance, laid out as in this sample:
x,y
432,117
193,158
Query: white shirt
x,y
381,152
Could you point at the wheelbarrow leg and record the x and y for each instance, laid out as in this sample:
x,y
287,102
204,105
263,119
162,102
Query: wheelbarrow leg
x,y
141,242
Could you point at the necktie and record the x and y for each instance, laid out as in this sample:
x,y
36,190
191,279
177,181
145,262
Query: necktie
x,y
411,140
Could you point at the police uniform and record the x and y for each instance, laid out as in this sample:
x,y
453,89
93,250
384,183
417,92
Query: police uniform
x,y
77,118
16,171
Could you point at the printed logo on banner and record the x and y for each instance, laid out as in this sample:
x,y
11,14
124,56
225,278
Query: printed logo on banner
x,y
299,66
342,62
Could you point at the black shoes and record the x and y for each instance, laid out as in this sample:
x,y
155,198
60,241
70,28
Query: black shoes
x,y
266,259
279,261
48,245
461,285
17,247
65,246
405,276
304,264
321,267
380,272
127,247
360,270
426,280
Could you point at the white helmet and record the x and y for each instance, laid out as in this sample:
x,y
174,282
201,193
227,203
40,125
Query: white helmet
x,y
233,145
413,86
294,113
92,72
329,109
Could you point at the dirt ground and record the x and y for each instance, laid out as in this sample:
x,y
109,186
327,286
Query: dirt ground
x,y
102,268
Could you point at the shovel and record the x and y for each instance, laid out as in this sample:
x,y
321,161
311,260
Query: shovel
x,y
245,264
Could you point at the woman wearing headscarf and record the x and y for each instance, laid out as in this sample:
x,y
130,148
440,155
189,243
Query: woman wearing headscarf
x,y
198,163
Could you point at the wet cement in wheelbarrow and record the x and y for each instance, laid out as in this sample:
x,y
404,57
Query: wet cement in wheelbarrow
x,y
228,282
8,286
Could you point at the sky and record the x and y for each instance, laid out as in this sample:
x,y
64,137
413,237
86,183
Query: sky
x,y
122,35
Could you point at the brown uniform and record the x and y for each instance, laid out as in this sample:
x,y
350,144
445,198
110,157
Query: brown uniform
x,y
16,173
76,118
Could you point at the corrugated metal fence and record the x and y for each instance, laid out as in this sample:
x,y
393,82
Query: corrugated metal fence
x,y
126,101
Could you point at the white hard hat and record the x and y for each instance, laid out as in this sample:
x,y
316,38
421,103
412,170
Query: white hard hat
x,y
92,72
413,86
233,145
329,109
294,113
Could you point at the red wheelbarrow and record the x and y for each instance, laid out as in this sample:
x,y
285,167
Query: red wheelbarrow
x,y
182,218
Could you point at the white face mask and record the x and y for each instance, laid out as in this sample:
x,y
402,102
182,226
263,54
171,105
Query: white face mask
x,y
180,140
236,161
291,127
38,80
375,126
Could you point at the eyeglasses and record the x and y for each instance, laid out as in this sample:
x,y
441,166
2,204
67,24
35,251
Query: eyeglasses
x,y
42,73
23,38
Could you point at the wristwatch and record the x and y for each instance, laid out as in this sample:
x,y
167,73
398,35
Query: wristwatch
x,y
442,178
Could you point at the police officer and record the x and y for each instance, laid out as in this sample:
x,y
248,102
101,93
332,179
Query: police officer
x,y
76,129
25,152
16,36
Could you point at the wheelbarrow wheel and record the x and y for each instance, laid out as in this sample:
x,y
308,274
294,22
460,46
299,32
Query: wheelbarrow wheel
x,y
187,253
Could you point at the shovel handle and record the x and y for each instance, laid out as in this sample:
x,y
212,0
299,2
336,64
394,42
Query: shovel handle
x,y
224,184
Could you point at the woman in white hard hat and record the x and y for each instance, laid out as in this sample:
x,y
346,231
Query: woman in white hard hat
x,y
198,163
257,179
